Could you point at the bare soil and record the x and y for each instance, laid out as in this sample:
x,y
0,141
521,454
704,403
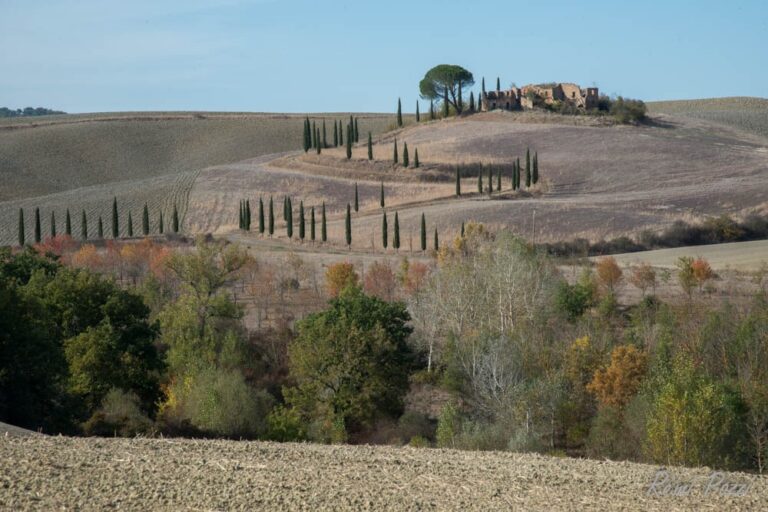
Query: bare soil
x,y
60,473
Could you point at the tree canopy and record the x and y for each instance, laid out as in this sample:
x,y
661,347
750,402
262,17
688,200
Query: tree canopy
x,y
445,81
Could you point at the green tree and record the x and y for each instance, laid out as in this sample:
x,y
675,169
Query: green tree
x,y
446,81
115,220
100,229
307,135
289,218
357,202
302,232
396,235
423,232
394,155
535,177
498,84
399,113
431,110
350,363
241,215
381,195
528,168
437,242
315,142
145,220
348,226
357,132
325,140
175,219
285,208
271,216
498,179
416,163
406,160
384,234
38,230
312,223
22,237
349,142
161,225
458,181
370,147
67,224
341,134
418,115
83,226
323,227
480,181
261,216
53,224
247,214
335,134
130,224
319,142
490,179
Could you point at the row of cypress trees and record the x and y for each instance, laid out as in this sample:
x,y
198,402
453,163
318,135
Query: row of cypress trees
x,y
145,227
315,137
531,175
266,221
406,161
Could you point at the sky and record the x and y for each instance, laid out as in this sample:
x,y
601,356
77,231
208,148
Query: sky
x,y
320,56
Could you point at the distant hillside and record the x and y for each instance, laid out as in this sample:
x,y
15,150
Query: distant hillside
x,y
745,113
28,112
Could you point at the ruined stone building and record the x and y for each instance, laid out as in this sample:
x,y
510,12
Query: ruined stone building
x,y
529,96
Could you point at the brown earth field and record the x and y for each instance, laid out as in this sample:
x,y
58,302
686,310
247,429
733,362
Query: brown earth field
x,y
598,180
60,473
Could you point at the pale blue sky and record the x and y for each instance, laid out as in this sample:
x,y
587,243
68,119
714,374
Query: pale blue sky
x,y
303,55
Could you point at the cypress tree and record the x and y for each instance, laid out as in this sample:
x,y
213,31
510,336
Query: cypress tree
x,y
483,86
458,181
22,236
418,115
319,145
83,226
161,227
480,181
535,177
261,216
335,135
416,163
307,136
130,224
370,147
325,141
357,132
312,223
302,231
100,229
348,226
462,230
53,225
289,219
519,171
527,168
514,176
341,134
323,227
490,179
423,232
145,220
498,179
247,214
498,84
315,142
68,221
115,221
352,128
431,110
38,232
349,141
285,208
394,156
471,101
240,216
381,195
437,242
271,217
357,202
399,113
175,220
384,228
406,161
396,235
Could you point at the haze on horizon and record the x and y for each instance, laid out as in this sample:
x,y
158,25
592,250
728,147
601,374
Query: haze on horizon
x,y
304,56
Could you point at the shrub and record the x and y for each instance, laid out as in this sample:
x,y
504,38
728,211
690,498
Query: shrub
x,y
285,424
120,414
628,111
340,276
617,383
448,427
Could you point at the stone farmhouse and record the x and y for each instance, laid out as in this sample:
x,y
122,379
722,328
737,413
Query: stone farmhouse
x,y
528,96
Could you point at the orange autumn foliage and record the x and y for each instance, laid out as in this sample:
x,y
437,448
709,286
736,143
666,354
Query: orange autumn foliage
x,y
616,384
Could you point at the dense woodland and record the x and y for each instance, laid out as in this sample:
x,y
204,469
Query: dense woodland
x,y
142,338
